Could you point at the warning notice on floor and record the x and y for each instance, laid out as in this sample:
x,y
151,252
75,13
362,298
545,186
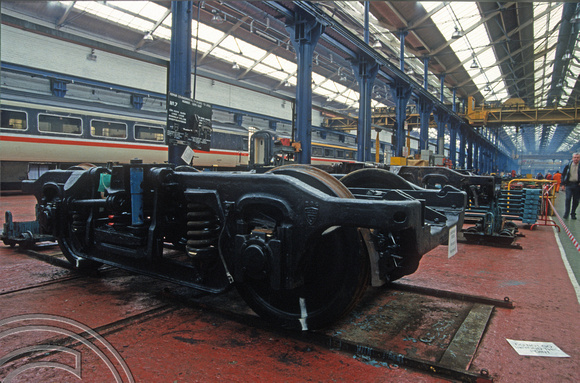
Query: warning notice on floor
x,y
527,348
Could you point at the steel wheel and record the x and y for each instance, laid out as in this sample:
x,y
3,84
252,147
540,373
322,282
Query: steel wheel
x,y
401,261
335,269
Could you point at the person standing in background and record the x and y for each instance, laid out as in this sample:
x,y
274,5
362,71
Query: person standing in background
x,y
558,178
571,184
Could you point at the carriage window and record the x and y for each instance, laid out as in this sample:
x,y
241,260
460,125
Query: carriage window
x,y
349,155
339,153
148,133
328,152
108,129
11,119
59,124
317,151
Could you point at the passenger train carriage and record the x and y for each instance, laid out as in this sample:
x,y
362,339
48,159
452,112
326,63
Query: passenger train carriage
x,y
37,136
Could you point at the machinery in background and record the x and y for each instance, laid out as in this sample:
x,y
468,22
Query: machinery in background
x,y
491,210
299,245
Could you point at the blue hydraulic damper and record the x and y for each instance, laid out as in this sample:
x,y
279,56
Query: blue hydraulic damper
x,y
136,180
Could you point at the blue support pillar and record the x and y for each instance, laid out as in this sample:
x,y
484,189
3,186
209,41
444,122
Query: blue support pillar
x,y
180,62
425,107
366,31
454,106
365,71
453,127
402,35
476,157
304,34
401,93
426,72
441,117
469,164
442,95
462,144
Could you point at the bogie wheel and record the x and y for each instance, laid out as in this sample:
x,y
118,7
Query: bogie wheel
x,y
335,269
71,238
383,179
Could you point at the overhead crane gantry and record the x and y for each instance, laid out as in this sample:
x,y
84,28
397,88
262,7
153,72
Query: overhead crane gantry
x,y
521,114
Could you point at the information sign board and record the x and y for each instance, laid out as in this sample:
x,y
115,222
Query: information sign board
x,y
188,122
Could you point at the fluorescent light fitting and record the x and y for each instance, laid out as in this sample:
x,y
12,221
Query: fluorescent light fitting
x,y
217,17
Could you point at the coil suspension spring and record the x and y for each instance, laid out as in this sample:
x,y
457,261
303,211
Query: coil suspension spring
x,y
78,223
202,230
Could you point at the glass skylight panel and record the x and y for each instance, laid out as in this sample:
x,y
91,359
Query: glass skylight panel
x,y
278,75
272,61
163,32
243,61
202,46
222,54
206,32
264,69
466,12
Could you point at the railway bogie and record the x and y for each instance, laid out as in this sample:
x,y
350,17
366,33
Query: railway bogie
x,y
298,244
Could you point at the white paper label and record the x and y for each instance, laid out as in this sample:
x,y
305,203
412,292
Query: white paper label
x,y
527,348
452,242
187,155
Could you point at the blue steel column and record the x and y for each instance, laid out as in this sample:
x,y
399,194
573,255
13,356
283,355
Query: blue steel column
x,y
365,71
304,34
476,156
180,62
401,93
462,142
425,107
454,107
469,164
441,117
452,143
402,35
442,95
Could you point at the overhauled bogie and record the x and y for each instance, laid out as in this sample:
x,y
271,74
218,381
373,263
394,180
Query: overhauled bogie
x,y
298,245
